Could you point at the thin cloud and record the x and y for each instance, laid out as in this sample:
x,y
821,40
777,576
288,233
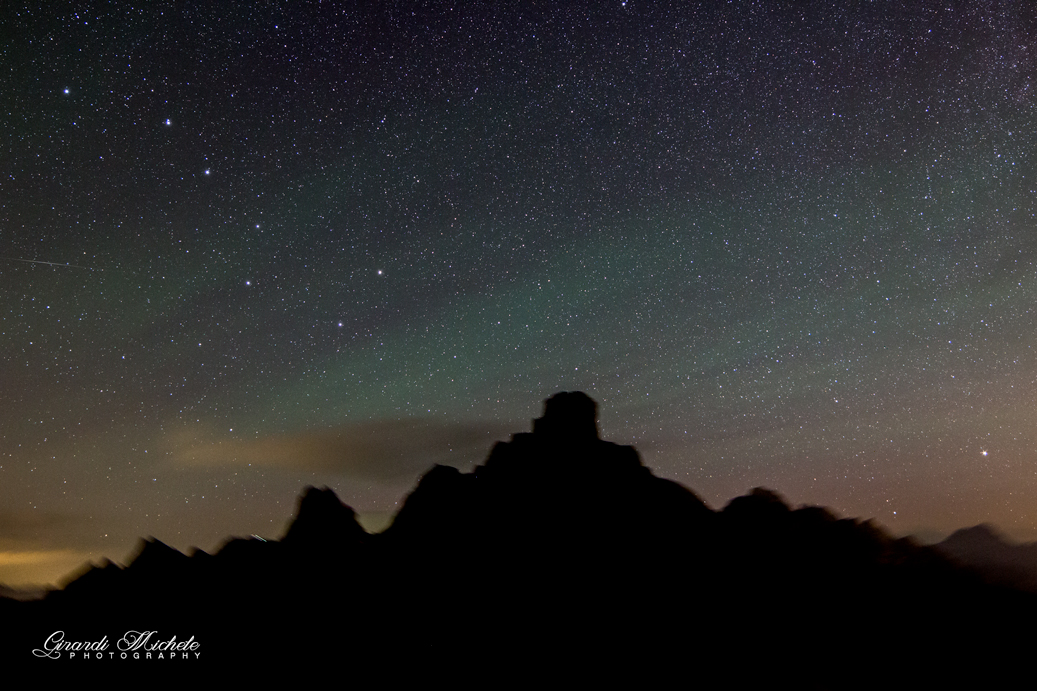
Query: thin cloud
x,y
9,558
34,525
382,450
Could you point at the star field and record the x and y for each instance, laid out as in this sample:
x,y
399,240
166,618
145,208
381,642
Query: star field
x,y
246,249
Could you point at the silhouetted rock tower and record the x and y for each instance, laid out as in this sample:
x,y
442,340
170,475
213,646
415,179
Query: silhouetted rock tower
x,y
569,416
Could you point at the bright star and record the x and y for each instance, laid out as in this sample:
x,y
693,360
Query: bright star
x,y
168,121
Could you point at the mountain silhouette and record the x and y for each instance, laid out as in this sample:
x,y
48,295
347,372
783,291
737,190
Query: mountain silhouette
x,y
561,557
982,549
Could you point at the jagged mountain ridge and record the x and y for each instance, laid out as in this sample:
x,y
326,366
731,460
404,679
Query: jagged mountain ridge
x,y
563,547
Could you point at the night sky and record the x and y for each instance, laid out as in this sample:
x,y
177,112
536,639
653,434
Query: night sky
x,y
249,246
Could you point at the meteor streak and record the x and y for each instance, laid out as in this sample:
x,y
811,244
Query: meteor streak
x,y
34,261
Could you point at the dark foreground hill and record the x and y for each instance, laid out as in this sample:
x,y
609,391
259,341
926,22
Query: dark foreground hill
x,y
562,557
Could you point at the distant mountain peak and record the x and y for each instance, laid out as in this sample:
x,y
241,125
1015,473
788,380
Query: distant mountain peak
x,y
999,561
984,533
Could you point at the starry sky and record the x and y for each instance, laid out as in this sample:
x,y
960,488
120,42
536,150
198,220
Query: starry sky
x,y
246,247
